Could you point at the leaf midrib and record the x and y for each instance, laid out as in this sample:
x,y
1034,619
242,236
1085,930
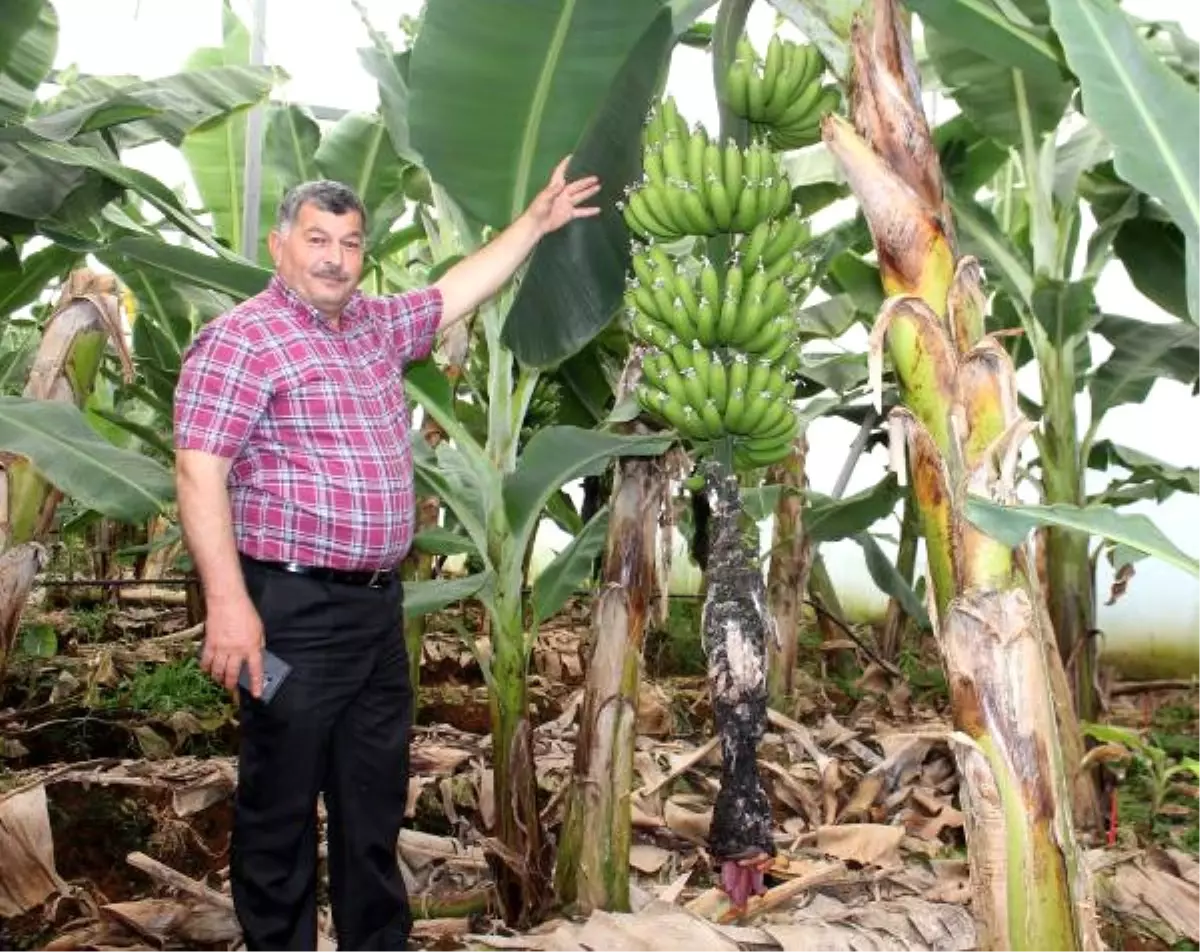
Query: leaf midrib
x,y
533,122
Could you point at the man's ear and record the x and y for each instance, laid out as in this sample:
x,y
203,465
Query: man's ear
x,y
274,244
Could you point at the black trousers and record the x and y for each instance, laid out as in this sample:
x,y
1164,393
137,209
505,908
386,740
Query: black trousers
x,y
340,726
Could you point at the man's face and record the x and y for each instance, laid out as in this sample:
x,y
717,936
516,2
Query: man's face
x,y
321,257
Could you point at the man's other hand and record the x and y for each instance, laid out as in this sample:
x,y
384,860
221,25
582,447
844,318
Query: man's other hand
x,y
233,634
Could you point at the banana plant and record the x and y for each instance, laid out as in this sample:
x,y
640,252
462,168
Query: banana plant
x,y
604,57
961,427
49,450
1137,171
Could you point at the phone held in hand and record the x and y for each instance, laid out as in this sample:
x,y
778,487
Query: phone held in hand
x,y
275,671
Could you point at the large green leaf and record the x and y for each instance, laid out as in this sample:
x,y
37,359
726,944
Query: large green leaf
x,y
1154,253
982,236
22,286
995,73
146,186
575,280
58,442
969,159
1142,354
290,145
556,456
424,598
238,279
359,152
138,111
28,44
828,520
390,70
1149,114
1148,477
1066,311
500,91
1012,524
216,153
570,567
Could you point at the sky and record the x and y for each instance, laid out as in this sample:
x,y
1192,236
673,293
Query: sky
x,y
316,43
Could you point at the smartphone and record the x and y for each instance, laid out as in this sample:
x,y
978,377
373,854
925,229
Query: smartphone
x,y
275,671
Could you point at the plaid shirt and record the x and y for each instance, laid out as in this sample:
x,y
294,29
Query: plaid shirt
x,y
315,421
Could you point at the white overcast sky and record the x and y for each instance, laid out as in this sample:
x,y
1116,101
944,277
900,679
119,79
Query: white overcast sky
x,y
317,43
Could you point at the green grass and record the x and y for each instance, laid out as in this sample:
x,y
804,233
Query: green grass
x,y
166,688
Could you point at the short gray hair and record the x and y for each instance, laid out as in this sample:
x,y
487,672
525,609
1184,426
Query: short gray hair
x,y
327,195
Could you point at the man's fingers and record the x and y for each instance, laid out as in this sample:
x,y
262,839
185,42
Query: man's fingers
x,y
256,673
580,194
559,176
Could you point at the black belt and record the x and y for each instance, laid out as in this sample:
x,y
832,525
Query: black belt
x,y
377,578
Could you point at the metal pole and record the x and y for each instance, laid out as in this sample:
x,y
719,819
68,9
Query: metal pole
x,y
252,180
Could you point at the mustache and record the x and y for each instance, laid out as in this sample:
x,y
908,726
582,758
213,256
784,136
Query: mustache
x,y
330,271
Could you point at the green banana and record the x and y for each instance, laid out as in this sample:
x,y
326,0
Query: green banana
x,y
735,410
757,405
718,383
730,302
650,331
696,144
706,321
711,417
732,172
652,165
739,372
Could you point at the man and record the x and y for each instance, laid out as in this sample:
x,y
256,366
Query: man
x,y
295,490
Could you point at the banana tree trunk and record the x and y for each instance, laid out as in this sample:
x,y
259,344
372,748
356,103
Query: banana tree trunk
x,y
787,577
519,855
74,340
1070,584
962,429
593,855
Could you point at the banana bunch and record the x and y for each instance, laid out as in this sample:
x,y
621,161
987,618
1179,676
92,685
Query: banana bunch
x,y
719,393
747,310
691,185
785,102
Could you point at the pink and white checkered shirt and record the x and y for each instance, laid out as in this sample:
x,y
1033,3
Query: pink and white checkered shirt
x,y
315,421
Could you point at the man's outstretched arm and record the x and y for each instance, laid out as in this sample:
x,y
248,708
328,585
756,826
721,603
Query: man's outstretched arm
x,y
480,275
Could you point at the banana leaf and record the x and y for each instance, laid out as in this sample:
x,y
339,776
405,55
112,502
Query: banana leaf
x,y
28,44
501,90
1149,114
1012,524
216,153
995,69
576,278
57,440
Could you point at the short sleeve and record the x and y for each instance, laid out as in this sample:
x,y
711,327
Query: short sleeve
x,y
410,321
222,392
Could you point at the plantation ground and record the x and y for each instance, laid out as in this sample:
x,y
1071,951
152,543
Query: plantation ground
x,y
115,797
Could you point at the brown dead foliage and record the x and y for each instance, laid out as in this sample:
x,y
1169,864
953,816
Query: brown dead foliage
x,y
121,853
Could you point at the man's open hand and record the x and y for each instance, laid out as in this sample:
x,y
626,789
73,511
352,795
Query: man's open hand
x,y
560,202
233,634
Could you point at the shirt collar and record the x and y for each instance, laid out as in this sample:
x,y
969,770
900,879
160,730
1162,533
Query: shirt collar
x,y
350,313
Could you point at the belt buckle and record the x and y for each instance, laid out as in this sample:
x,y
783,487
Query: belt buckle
x,y
376,577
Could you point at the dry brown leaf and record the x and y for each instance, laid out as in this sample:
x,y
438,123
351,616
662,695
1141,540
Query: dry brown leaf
x,y
906,924
654,711
27,872
647,858
872,844
434,758
1145,890
689,824
657,928
170,920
